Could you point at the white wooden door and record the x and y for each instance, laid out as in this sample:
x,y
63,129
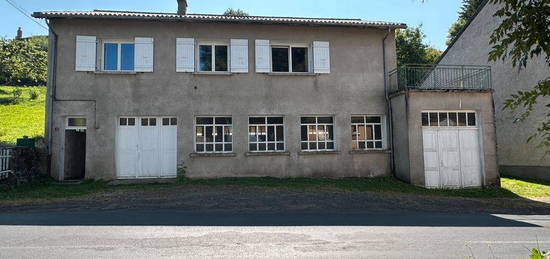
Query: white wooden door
x,y
452,151
146,147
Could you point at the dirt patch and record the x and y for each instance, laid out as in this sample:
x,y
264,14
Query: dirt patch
x,y
277,199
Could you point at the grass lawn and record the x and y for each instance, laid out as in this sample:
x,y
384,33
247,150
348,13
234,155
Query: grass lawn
x,y
511,187
25,118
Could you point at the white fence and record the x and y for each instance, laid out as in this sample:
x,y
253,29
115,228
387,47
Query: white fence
x,y
5,157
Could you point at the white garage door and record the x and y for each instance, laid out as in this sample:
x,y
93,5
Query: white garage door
x,y
452,156
146,147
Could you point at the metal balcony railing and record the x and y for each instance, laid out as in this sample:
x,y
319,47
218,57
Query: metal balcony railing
x,y
440,77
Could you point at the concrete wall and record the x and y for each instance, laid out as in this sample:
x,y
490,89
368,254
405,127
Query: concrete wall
x,y
354,86
412,103
515,155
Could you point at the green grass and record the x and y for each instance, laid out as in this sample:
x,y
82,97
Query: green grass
x,y
48,189
23,119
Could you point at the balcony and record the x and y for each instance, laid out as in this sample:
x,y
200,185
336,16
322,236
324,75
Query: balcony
x,y
440,77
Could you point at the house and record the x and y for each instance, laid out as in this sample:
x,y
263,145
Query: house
x,y
137,95
515,155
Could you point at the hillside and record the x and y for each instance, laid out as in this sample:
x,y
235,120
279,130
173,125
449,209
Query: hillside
x,y
25,118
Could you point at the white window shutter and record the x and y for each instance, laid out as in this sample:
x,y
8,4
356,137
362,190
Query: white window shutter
x,y
143,55
85,53
239,56
321,57
185,55
262,56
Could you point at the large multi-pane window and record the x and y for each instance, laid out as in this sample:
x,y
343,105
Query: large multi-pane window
x,y
118,56
289,59
213,134
317,133
266,134
449,119
366,132
213,58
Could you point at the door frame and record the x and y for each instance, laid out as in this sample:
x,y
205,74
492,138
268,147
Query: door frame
x,y
479,129
65,127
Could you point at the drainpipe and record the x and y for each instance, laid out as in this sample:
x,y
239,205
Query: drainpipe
x,y
388,104
51,96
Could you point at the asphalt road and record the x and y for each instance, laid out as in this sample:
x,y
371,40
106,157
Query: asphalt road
x,y
177,233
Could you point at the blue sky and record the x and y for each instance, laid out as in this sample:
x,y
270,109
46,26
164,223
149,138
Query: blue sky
x,y
435,15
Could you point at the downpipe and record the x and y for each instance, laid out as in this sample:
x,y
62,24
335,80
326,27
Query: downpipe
x,y
388,103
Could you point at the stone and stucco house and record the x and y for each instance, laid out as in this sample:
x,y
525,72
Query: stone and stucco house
x,y
138,95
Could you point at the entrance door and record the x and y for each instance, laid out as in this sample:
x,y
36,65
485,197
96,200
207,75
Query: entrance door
x,y
146,147
74,149
452,157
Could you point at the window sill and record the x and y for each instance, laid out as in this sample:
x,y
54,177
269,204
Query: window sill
x,y
328,152
115,72
212,155
267,154
367,151
213,73
291,74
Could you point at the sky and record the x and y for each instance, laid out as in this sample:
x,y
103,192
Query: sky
x,y
436,16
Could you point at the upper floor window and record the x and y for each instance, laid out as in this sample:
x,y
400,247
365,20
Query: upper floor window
x,y
366,132
289,58
266,134
317,133
213,58
118,56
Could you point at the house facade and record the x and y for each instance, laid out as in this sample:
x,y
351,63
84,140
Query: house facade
x,y
516,156
141,95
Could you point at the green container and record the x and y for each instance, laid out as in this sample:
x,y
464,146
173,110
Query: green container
x,y
25,142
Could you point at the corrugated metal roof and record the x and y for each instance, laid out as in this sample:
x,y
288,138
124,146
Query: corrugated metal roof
x,y
105,14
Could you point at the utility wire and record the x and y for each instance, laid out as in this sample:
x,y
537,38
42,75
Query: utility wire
x,y
21,10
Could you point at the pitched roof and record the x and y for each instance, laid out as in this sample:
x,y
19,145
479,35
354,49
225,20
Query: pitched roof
x,y
105,14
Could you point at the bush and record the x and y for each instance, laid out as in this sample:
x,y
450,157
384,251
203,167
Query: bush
x,y
16,96
33,94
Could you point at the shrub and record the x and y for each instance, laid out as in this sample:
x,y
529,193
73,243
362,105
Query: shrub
x,y
33,94
16,96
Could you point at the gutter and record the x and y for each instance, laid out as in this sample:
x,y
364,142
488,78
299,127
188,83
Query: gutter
x,y
388,102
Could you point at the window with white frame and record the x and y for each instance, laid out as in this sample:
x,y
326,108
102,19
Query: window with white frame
x,y
118,56
266,134
366,132
213,134
317,133
213,58
290,58
449,119
76,123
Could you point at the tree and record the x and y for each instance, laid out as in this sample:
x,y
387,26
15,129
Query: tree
x,y
235,12
524,33
412,50
23,62
467,12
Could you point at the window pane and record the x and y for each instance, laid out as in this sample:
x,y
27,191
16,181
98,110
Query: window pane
x,y
205,120
271,146
452,119
252,134
312,133
324,119
253,147
110,56
165,121
471,119
377,132
304,146
77,122
261,146
443,120
174,121
360,119
330,132
152,122
200,148
361,135
378,144
256,120
370,144
228,147
131,121
205,58
330,145
433,119
209,147
362,145
200,134
280,146
221,58
261,133
425,119
123,121
219,134
321,145
369,132
218,147
227,134
312,145
461,119
144,122
354,133
223,120
304,133
271,133
279,56
373,119
208,136
308,120
299,60
280,133
127,57
274,120
321,132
